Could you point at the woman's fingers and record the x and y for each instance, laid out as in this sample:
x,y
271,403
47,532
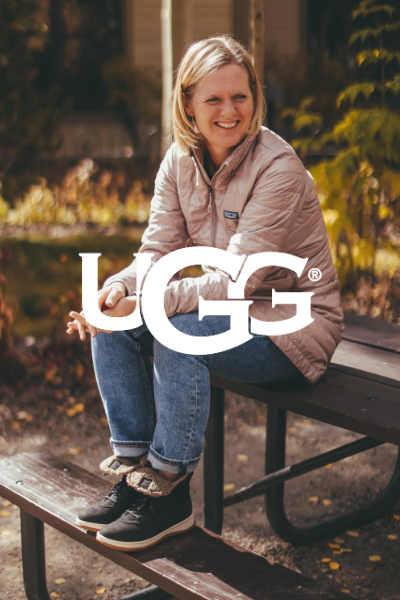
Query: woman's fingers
x,y
116,293
81,324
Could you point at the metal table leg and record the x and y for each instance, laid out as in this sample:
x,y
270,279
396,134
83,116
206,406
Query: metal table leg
x,y
34,564
214,463
33,557
274,496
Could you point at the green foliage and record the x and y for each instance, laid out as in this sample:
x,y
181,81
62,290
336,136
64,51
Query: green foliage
x,y
29,118
359,189
84,196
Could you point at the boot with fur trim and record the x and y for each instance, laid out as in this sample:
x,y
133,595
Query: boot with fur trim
x,y
118,500
146,480
153,518
119,466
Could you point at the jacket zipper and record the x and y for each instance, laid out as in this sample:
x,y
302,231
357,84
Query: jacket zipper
x,y
211,204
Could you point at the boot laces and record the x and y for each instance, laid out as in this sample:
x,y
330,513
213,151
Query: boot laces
x,y
141,507
118,491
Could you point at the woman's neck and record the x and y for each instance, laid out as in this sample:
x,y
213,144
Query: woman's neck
x,y
217,156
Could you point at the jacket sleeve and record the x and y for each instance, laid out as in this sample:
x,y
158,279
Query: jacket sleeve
x,y
167,225
264,226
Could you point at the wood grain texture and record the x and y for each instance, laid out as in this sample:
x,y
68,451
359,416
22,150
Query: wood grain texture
x,y
341,397
372,332
368,359
194,566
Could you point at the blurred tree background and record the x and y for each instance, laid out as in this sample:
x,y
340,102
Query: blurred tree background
x,y
337,103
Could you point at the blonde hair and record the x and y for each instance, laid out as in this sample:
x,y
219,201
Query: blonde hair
x,y
201,59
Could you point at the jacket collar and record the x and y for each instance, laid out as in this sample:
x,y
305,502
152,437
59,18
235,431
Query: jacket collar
x,y
234,160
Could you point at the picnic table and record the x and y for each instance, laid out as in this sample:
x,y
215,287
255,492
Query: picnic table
x,y
359,392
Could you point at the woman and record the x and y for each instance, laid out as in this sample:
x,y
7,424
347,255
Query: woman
x,y
226,182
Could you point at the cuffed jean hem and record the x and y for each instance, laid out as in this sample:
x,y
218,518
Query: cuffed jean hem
x,y
170,465
129,448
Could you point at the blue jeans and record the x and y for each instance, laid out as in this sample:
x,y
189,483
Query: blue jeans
x,y
164,411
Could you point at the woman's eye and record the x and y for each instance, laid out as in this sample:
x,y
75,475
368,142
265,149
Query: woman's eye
x,y
212,99
240,97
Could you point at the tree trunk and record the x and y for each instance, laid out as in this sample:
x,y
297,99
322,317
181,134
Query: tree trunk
x,y
166,50
257,20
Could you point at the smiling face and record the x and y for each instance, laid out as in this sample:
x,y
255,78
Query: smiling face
x,y
222,105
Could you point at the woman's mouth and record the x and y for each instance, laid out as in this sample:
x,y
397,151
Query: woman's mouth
x,y
227,124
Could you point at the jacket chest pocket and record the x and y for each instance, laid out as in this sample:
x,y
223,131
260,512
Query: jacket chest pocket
x,y
230,214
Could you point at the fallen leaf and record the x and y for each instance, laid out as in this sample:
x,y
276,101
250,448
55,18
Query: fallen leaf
x,y
313,499
79,370
334,566
5,513
79,407
333,545
336,551
369,569
306,422
392,536
6,503
347,550
5,532
292,430
375,558
63,258
60,580
22,415
71,412
352,533
100,591
325,560
104,421
326,502
55,595
65,438
242,458
397,517
95,452
50,373
74,450
328,466
228,487
345,591
339,540
300,442
16,425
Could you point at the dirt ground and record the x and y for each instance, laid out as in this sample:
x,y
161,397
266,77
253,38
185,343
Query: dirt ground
x,y
56,406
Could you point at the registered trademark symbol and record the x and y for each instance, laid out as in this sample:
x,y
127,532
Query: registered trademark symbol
x,y
314,274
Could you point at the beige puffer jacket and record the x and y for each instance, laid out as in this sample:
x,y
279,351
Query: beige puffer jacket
x,y
265,183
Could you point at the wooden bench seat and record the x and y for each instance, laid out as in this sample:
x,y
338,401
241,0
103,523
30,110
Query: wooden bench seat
x,y
197,565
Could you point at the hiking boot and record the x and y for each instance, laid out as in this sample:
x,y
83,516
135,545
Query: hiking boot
x,y
151,519
110,508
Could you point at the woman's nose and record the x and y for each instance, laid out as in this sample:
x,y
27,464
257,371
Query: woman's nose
x,y
228,109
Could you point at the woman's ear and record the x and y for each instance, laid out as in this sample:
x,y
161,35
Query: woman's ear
x,y
187,104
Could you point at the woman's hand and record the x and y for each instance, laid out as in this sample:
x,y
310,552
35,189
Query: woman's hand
x,y
109,299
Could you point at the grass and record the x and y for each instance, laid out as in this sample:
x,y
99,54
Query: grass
x,y
45,275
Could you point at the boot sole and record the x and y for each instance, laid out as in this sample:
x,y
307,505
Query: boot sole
x,y
88,525
181,527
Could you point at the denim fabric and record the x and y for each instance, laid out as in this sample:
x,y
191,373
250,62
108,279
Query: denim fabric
x,y
164,411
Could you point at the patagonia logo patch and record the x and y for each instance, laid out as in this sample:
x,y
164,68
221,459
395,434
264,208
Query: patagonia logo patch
x,y
230,215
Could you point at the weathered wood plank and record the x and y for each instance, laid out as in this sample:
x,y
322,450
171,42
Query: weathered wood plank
x,y
198,565
372,332
368,359
343,399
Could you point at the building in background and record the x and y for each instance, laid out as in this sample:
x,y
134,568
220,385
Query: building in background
x,y
88,34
